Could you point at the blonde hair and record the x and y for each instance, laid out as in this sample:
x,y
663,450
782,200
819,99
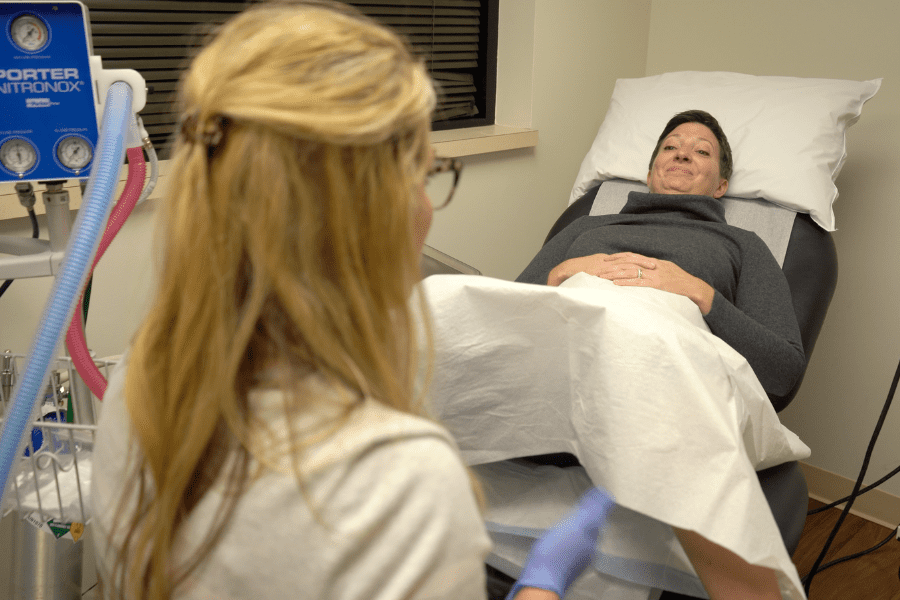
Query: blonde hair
x,y
288,243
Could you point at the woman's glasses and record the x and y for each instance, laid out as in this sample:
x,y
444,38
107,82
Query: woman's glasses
x,y
441,181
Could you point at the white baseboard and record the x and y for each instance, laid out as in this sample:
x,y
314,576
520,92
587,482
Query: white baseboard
x,y
876,505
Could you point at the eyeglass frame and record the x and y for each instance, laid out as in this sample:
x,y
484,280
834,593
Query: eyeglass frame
x,y
444,165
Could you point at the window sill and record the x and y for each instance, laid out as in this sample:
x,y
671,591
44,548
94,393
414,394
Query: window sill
x,y
452,143
482,140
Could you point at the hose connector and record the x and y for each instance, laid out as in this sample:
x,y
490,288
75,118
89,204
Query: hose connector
x,y
25,191
7,379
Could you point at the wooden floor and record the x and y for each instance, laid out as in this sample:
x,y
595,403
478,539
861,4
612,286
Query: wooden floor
x,y
870,577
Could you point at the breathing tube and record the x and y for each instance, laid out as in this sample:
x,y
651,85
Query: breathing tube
x,y
69,282
75,340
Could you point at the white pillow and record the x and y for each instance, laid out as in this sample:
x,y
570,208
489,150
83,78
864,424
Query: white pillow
x,y
786,133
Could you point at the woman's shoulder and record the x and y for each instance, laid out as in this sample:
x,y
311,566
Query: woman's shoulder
x,y
328,439
753,248
375,427
382,420
370,433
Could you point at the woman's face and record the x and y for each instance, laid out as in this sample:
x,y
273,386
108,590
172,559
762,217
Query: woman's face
x,y
688,163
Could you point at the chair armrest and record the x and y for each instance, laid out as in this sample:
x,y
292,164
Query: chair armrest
x,y
811,269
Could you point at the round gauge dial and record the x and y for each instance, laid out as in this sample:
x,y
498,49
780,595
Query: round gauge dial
x,y
29,33
18,155
74,152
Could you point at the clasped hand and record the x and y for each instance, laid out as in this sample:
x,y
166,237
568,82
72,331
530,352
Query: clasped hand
x,y
632,269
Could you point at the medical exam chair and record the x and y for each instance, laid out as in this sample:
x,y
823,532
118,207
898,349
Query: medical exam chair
x,y
810,266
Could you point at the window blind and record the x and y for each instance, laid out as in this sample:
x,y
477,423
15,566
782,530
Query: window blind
x,y
455,38
445,33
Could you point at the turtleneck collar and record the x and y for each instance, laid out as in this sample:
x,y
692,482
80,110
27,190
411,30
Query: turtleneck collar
x,y
697,208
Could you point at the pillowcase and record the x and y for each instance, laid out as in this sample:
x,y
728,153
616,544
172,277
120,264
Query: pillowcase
x,y
787,134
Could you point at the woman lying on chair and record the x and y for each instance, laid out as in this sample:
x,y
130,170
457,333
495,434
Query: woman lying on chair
x,y
675,239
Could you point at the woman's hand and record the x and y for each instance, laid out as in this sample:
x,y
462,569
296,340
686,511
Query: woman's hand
x,y
632,269
624,265
564,551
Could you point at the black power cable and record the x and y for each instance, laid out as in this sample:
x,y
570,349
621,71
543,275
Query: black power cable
x,y
807,580
868,488
858,554
35,231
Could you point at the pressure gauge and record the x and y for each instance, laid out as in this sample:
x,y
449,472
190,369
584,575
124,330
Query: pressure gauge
x,y
29,33
18,155
74,152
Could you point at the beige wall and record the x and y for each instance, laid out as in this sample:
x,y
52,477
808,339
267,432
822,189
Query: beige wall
x,y
858,349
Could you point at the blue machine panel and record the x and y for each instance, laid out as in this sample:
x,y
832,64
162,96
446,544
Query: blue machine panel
x,y
48,114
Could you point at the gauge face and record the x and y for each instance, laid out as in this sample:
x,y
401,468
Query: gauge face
x,y
29,32
18,155
74,152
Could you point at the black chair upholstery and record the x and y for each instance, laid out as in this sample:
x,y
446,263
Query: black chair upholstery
x,y
810,266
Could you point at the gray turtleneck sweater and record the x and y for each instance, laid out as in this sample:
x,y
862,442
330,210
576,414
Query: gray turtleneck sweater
x,y
752,309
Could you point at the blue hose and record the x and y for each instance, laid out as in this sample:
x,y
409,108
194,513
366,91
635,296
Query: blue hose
x,y
83,241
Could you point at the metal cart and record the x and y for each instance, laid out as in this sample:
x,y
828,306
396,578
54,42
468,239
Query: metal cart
x,y
46,507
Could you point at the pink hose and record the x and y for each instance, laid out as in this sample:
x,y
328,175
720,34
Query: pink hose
x,y
75,340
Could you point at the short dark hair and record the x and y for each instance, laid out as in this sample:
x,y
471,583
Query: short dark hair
x,y
726,162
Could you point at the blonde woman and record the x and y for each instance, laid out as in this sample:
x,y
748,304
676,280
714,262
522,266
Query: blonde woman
x,y
262,437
